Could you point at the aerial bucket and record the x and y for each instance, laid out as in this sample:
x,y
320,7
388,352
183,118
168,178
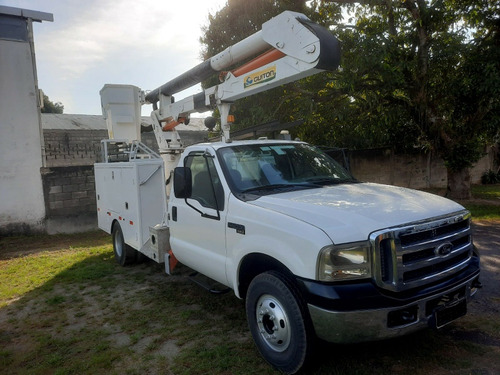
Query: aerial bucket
x,y
121,107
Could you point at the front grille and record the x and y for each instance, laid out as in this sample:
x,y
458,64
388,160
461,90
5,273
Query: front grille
x,y
426,235
422,253
435,268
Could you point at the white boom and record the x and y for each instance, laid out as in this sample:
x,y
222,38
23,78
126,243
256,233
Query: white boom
x,y
290,47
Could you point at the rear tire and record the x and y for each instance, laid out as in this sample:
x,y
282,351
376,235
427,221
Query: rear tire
x,y
279,321
124,254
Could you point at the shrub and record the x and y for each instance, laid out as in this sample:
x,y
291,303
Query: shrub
x,y
490,177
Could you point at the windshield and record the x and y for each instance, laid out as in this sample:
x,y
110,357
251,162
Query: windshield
x,y
266,169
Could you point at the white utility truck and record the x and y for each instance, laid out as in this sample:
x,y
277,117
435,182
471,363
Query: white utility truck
x,y
314,253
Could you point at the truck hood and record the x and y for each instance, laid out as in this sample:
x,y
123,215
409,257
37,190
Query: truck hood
x,y
350,212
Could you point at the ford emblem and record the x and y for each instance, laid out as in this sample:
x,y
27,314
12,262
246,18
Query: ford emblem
x,y
444,249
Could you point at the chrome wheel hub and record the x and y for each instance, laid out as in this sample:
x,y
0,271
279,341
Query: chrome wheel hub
x,y
273,323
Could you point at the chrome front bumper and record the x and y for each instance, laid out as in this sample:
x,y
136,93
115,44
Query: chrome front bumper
x,y
383,323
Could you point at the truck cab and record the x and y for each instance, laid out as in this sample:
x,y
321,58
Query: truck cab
x,y
368,261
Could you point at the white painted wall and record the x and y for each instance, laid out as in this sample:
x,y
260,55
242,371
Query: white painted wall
x,y
21,192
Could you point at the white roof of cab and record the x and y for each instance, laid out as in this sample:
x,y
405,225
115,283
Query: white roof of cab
x,y
262,142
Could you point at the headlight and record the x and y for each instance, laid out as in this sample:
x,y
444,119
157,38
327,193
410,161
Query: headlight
x,y
344,262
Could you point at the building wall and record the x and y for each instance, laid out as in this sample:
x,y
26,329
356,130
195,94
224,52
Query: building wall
x,y
69,195
64,148
68,179
418,171
22,208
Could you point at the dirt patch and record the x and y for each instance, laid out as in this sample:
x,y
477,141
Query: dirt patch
x,y
487,240
480,201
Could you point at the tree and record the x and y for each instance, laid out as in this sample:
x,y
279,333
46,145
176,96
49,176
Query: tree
x,y
50,107
416,74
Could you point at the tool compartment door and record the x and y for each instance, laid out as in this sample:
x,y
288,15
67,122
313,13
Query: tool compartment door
x,y
133,194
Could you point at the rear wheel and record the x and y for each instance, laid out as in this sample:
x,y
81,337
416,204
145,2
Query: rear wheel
x,y
124,254
279,321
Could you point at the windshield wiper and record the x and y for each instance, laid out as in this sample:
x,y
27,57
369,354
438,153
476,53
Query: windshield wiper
x,y
279,187
330,180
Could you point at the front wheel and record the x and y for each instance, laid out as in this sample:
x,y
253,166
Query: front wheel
x,y
279,321
124,254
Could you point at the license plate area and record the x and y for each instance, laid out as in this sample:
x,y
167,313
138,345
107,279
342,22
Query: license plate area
x,y
447,313
447,308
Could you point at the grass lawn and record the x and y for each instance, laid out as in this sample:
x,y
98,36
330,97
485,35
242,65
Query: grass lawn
x,y
486,191
73,310
70,309
485,204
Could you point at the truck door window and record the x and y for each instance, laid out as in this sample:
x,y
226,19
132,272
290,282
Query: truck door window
x,y
207,187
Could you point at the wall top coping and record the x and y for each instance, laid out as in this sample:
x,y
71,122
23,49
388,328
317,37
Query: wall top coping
x,y
56,121
27,13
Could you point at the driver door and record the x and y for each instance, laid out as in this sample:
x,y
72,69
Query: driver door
x,y
197,224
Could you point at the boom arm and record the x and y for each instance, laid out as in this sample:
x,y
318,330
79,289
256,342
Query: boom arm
x,y
290,47
290,33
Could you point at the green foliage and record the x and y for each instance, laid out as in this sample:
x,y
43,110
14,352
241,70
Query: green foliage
x,y
423,77
490,177
432,95
50,107
415,75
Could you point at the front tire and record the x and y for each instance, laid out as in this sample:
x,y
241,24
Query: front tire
x,y
279,321
124,254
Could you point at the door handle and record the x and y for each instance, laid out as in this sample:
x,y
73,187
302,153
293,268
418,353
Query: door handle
x,y
240,229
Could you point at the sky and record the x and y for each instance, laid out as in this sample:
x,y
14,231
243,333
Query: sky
x,y
94,42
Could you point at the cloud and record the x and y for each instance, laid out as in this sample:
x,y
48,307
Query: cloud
x,y
94,42
104,29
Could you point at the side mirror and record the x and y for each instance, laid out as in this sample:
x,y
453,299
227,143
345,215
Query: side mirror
x,y
183,185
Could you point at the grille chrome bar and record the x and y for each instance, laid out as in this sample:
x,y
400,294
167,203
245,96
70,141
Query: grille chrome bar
x,y
411,266
432,243
421,253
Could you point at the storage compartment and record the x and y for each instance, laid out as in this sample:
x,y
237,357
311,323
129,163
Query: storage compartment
x,y
133,193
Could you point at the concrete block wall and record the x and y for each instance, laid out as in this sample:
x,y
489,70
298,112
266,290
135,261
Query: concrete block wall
x,y
68,179
70,200
417,171
72,147
69,190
